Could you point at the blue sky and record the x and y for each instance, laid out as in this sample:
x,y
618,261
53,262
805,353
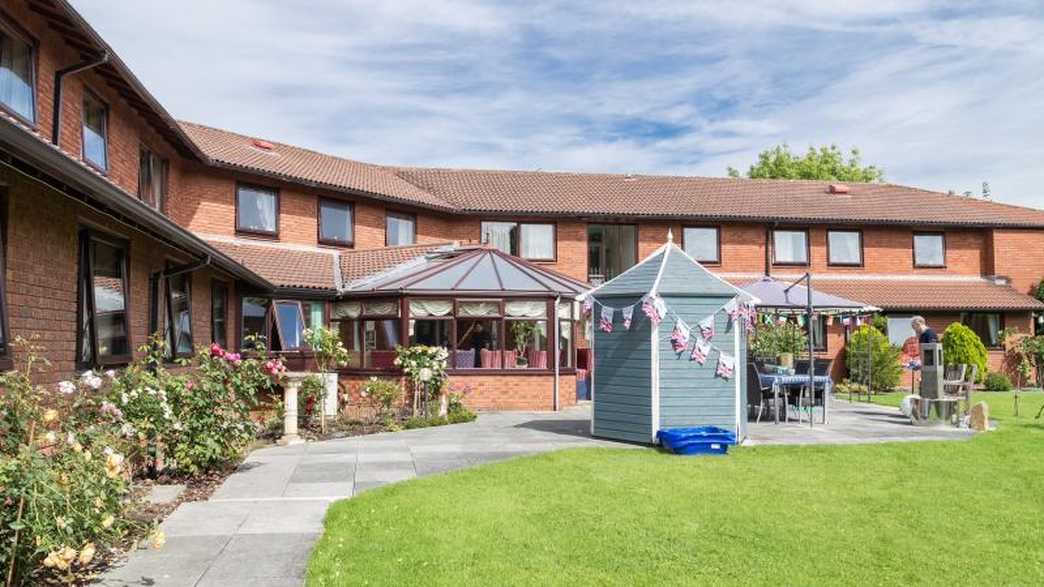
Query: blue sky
x,y
942,98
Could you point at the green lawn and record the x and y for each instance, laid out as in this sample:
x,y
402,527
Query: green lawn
x,y
960,512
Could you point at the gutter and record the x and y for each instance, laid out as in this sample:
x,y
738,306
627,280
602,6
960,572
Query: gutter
x,y
21,146
59,76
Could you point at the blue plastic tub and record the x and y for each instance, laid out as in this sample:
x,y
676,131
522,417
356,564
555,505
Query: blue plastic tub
x,y
697,440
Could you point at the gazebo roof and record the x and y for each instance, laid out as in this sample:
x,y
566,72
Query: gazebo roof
x,y
773,294
472,271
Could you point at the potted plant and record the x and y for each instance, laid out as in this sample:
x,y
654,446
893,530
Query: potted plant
x,y
329,353
523,332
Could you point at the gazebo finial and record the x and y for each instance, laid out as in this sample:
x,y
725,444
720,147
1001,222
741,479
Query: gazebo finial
x,y
670,235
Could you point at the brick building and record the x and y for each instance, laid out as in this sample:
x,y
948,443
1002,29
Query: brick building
x,y
206,234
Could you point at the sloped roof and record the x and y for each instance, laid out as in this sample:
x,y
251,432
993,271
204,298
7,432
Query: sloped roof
x,y
682,276
475,271
922,294
557,193
295,164
361,263
284,266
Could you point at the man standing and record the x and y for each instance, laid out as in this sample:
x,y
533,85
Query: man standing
x,y
925,334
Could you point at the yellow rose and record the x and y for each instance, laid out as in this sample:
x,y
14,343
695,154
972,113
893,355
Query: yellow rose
x,y
157,539
114,465
87,455
50,415
108,521
87,553
51,437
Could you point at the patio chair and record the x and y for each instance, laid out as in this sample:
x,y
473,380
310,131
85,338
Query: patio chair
x,y
953,378
758,394
967,387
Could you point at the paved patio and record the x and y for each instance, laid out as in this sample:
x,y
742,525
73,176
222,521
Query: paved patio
x,y
850,423
259,527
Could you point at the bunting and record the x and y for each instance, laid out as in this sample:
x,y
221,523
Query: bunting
x,y
588,306
606,322
726,364
707,327
654,307
700,351
628,313
679,336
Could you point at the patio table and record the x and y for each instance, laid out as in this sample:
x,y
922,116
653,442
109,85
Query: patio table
x,y
778,381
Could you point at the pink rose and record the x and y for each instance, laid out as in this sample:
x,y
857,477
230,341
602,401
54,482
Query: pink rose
x,y
190,385
216,350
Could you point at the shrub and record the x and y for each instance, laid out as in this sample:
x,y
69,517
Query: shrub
x,y
63,487
884,358
382,395
309,398
962,345
996,381
425,367
772,340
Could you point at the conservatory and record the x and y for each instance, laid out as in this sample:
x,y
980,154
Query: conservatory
x,y
508,324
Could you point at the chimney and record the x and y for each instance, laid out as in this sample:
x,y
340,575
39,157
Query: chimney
x,y
838,188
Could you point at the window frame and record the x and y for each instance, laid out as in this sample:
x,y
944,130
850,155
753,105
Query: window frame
x,y
86,269
518,227
278,204
10,26
217,285
168,299
1000,326
319,222
164,170
89,94
808,248
391,213
859,234
913,249
717,237
587,242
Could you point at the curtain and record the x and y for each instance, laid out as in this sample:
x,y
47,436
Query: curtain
x,y
501,235
422,308
993,328
844,247
478,309
16,75
538,241
790,246
345,310
382,308
565,310
315,317
264,205
526,309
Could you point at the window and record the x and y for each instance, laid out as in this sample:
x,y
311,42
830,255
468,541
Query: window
x,y
257,210
400,228
819,341
929,250
103,335
152,178
844,247
335,222
702,243
255,321
565,335
219,313
985,324
17,87
431,322
899,329
534,241
95,131
611,250
379,339
790,247
289,326
313,313
179,308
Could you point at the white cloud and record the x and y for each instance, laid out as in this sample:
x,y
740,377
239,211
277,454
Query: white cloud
x,y
939,97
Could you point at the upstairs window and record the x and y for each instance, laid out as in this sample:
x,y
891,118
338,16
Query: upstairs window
x,y
845,247
152,178
790,247
929,250
179,308
702,243
400,228
335,222
611,250
529,240
95,131
257,210
103,335
17,90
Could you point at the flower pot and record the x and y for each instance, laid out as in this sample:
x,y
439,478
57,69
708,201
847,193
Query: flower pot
x,y
786,360
521,362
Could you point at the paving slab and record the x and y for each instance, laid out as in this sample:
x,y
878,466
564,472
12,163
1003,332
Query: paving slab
x,y
160,494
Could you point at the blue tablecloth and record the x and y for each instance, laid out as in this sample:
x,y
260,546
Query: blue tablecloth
x,y
776,382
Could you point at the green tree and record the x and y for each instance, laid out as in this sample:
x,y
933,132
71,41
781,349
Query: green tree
x,y
883,360
962,345
827,163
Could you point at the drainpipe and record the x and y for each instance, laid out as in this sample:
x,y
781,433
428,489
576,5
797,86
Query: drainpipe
x,y
558,347
58,77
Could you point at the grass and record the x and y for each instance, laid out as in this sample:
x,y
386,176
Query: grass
x,y
958,512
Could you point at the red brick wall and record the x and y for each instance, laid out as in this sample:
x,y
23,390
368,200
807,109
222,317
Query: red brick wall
x,y
127,130
41,272
1018,255
485,392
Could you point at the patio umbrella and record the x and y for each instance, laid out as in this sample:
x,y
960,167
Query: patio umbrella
x,y
794,298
